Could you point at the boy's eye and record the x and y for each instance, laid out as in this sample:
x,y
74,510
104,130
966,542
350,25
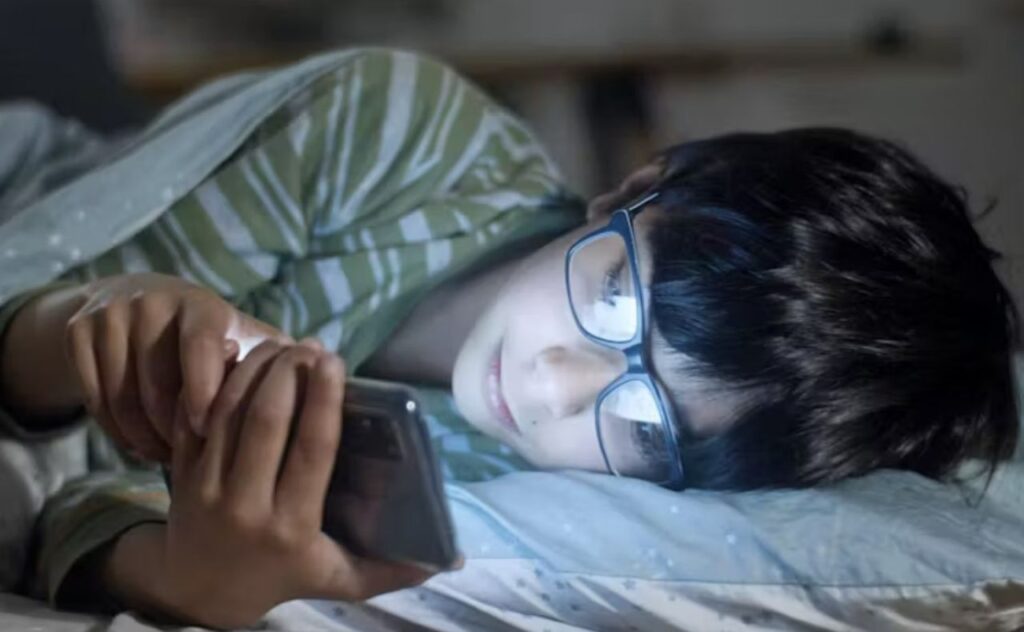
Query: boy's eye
x,y
611,286
648,441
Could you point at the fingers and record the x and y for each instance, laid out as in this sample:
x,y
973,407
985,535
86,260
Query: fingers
x,y
80,343
187,449
120,384
112,357
249,332
203,350
310,460
136,427
154,334
229,407
265,428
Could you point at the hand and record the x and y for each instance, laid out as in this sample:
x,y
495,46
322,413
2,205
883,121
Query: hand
x,y
140,340
244,528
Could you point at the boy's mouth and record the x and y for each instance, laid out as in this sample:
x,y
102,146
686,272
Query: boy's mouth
x,y
495,396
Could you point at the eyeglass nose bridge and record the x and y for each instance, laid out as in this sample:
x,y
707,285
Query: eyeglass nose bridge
x,y
636,365
568,381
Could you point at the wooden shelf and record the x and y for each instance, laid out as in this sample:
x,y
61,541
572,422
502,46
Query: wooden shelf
x,y
161,83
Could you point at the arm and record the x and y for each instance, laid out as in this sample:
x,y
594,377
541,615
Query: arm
x,y
123,347
37,383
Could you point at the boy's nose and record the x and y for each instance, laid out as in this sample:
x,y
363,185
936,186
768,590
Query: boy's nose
x,y
565,382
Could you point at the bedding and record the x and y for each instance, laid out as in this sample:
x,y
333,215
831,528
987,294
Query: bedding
x,y
131,181
575,551
544,550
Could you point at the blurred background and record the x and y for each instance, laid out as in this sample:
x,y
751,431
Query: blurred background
x,y
603,82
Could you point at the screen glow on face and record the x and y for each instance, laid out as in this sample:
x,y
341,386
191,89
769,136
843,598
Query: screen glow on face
x,y
631,402
557,353
601,289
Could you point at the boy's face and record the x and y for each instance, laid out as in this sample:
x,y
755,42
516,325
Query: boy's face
x,y
527,376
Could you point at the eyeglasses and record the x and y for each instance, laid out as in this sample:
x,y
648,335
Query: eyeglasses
x,y
635,424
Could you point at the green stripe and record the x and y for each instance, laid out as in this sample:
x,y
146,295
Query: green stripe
x,y
252,212
109,264
367,130
280,199
312,291
158,255
205,240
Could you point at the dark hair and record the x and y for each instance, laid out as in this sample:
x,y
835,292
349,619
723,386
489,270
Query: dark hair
x,y
838,287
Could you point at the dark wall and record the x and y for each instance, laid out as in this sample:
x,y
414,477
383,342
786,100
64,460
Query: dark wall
x,y
54,51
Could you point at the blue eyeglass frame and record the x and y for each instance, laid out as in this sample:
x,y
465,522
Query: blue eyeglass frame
x,y
635,349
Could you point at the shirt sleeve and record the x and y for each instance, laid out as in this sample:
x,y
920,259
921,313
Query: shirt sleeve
x,y
10,425
114,494
407,175
83,516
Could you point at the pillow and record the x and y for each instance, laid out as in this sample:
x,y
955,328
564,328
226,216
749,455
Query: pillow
x,y
578,551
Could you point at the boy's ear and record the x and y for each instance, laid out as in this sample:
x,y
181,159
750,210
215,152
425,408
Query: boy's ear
x,y
635,183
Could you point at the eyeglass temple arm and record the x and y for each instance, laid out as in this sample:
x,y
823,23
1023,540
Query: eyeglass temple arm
x,y
637,205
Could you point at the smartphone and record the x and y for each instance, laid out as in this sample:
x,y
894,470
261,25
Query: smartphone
x,y
386,496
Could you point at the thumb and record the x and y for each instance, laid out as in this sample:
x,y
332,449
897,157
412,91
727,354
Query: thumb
x,y
358,578
375,577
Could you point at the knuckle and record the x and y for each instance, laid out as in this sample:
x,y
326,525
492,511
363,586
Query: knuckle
x,y
243,519
115,312
207,496
266,348
76,331
299,355
264,417
204,341
335,368
141,303
147,306
201,393
76,326
198,294
284,535
232,394
316,447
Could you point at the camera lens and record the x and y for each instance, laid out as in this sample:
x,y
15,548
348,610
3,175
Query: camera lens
x,y
372,436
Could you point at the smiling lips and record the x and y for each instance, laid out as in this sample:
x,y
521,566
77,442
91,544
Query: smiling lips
x,y
499,407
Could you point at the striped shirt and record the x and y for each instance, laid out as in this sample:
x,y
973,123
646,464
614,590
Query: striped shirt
x,y
345,208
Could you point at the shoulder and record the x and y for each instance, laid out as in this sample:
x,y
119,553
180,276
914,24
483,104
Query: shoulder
x,y
377,77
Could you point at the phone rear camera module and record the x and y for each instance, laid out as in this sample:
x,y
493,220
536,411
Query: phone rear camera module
x,y
372,436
